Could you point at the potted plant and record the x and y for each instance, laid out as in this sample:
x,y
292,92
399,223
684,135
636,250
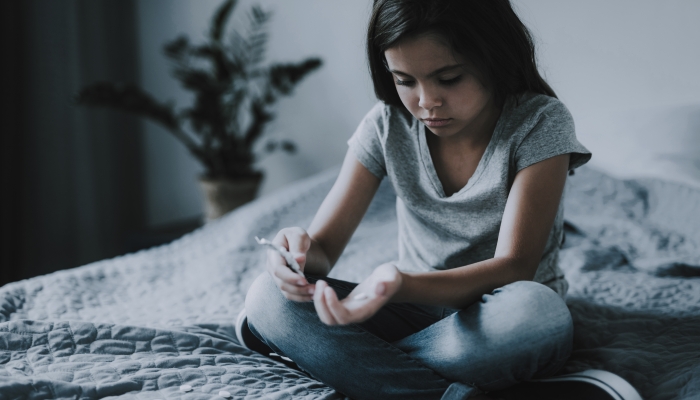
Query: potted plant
x,y
234,95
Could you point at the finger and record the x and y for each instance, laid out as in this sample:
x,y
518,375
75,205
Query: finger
x,y
335,307
380,289
274,259
307,290
320,304
287,275
280,283
298,243
277,265
296,296
298,240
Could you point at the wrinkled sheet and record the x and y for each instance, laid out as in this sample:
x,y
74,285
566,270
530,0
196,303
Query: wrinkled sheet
x,y
141,325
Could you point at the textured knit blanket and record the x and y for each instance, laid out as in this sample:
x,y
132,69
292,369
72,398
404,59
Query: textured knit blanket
x,y
142,325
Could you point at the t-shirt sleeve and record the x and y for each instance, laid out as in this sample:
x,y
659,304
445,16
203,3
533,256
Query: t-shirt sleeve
x,y
366,142
552,135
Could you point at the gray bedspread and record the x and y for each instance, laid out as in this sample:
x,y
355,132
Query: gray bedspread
x,y
141,325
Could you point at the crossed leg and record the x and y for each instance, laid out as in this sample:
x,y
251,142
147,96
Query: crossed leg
x,y
520,331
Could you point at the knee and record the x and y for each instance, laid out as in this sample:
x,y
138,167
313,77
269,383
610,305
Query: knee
x,y
261,301
269,311
538,315
523,328
535,307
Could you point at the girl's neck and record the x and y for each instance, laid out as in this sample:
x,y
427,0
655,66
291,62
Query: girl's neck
x,y
477,134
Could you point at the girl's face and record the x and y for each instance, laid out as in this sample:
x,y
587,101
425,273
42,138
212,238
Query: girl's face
x,y
439,88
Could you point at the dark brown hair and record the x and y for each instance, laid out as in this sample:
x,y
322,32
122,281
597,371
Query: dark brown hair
x,y
486,32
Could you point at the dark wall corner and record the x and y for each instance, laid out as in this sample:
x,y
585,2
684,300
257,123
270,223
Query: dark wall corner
x,y
72,177
12,79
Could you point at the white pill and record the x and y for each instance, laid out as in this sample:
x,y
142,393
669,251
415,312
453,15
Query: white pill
x,y
225,394
282,357
361,296
185,388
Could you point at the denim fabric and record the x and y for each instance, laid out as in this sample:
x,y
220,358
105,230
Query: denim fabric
x,y
518,332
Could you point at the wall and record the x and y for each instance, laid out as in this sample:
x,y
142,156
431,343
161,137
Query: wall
x,y
72,176
626,69
320,116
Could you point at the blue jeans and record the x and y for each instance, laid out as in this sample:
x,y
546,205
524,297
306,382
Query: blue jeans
x,y
518,332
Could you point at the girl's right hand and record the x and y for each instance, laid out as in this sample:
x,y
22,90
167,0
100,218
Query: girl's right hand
x,y
293,286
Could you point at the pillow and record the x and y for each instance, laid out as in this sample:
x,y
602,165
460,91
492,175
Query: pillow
x,y
662,142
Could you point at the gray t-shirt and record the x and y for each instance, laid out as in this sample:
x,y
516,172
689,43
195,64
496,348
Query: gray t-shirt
x,y
438,232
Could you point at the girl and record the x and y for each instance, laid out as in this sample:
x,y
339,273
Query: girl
x,y
477,148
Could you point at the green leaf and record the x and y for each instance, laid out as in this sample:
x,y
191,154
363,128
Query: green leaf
x,y
255,43
283,77
215,54
198,80
289,146
177,49
221,16
270,146
127,98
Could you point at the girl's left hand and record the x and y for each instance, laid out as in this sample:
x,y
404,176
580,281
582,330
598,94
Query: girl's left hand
x,y
363,302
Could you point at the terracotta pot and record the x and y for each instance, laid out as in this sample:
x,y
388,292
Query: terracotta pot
x,y
223,195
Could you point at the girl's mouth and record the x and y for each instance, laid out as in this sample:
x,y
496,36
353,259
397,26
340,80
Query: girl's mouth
x,y
436,122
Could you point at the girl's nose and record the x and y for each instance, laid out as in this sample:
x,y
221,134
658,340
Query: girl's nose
x,y
429,99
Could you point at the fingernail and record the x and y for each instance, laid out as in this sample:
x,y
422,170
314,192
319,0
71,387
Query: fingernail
x,y
300,283
311,290
380,289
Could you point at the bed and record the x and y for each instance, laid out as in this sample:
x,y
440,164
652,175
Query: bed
x,y
142,325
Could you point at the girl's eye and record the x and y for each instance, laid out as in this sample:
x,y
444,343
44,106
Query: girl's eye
x,y
451,81
403,83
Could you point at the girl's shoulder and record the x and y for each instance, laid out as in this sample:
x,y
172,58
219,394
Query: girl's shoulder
x,y
537,127
388,118
531,108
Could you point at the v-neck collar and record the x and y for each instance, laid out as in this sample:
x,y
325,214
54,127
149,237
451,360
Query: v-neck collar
x,y
430,167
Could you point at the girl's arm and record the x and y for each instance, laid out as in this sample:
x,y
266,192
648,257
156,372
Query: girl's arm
x,y
527,221
317,250
340,213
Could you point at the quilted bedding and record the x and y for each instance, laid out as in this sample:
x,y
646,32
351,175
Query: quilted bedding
x,y
141,325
